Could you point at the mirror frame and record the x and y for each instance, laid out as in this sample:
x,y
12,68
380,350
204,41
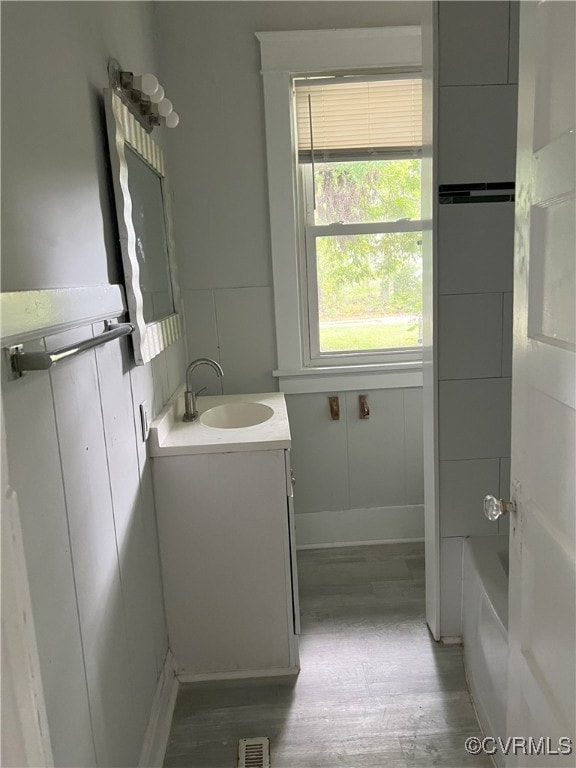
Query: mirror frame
x,y
149,339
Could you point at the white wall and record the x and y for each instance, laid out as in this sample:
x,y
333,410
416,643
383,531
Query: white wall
x,y
217,161
76,457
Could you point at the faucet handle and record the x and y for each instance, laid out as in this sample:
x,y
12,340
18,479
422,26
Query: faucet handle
x,y
201,390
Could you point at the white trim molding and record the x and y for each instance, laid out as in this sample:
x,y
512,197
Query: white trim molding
x,y
27,315
285,55
360,526
369,543
349,378
323,50
160,722
237,674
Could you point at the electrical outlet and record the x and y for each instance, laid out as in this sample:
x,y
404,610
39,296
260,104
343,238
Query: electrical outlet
x,y
145,420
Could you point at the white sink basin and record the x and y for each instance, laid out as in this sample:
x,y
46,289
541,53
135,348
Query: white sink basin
x,y
236,415
227,423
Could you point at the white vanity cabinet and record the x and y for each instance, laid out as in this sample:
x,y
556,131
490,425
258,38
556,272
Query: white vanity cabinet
x,y
226,533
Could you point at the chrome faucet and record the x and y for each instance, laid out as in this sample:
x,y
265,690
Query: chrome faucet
x,y
191,412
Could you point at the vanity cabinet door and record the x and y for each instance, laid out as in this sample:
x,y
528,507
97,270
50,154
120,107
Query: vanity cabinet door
x,y
224,542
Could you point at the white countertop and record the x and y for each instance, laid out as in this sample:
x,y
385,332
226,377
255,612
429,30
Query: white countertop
x,y
170,436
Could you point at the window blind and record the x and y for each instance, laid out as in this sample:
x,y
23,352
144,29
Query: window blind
x,y
358,118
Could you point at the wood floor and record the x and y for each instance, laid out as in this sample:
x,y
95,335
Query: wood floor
x,y
374,690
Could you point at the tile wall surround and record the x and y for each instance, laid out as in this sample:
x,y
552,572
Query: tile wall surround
x,y
475,243
482,117
451,586
476,163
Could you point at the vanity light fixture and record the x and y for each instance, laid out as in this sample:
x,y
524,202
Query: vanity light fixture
x,y
158,95
172,119
144,97
165,107
147,84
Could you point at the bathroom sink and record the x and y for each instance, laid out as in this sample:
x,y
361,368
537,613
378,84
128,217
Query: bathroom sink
x,y
226,423
236,415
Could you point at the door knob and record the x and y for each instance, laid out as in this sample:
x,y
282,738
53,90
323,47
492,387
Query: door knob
x,y
495,508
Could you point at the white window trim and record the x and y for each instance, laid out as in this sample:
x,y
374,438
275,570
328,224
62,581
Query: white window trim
x,y
285,55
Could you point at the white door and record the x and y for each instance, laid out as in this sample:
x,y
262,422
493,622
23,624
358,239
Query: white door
x,y
542,655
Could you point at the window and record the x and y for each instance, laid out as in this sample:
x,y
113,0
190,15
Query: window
x,y
358,143
346,245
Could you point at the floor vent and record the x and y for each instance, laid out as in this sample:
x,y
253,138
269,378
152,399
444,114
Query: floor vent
x,y
254,753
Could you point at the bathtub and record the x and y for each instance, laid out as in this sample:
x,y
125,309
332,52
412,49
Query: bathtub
x,y
485,629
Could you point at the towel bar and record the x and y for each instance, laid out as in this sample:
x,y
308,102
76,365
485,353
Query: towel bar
x,y
41,361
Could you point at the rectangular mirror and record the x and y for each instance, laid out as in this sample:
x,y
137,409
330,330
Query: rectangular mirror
x,y
145,228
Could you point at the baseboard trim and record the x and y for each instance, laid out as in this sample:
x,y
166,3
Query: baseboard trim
x,y
360,526
451,639
158,730
335,544
206,677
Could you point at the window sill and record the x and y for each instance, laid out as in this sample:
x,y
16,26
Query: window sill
x,y
350,377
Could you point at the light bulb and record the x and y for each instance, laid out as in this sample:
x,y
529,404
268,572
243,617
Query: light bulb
x,y
148,84
172,120
165,107
157,97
